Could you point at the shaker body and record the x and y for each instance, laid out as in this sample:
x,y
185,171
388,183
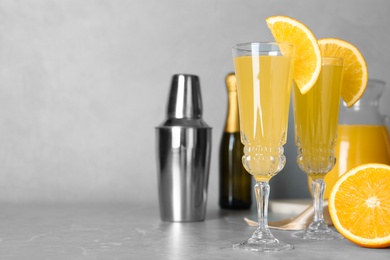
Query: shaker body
x,y
183,160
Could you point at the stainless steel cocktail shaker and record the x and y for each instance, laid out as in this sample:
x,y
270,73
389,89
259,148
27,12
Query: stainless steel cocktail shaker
x,y
183,146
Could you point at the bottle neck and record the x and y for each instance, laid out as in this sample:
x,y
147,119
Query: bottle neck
x,y
232,124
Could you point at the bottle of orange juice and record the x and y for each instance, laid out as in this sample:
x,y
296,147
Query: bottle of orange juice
x,y
362,135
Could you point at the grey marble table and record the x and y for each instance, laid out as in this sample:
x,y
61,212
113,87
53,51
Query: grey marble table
x,y
131,231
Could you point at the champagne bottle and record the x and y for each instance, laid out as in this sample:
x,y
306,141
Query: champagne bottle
x,y
234,181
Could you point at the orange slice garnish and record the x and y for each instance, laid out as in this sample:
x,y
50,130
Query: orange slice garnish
x,y
307,65
355,72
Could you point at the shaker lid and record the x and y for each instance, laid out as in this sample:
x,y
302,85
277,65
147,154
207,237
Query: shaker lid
x,y
185,98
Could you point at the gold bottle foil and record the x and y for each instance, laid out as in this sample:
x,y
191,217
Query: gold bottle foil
x,y
232,124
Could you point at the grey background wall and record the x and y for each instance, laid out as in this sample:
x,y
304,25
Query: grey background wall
x,y
84,83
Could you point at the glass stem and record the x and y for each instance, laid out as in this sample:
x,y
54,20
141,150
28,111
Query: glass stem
x,y
262,190
318,187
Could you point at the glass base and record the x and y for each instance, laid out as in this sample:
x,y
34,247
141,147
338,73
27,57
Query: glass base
x,y
318,231
263,245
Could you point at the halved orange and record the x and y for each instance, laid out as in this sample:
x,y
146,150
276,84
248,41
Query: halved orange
x,y
307,64
359,205
355,72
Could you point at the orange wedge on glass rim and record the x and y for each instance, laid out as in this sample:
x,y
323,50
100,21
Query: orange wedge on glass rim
x,y
307,65
359,205
355,72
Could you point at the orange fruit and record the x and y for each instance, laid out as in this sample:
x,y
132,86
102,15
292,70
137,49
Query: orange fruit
x,y
355,72
359,205
307,65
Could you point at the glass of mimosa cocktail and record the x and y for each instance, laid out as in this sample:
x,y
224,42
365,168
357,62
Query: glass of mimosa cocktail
x,y
264,80
316,120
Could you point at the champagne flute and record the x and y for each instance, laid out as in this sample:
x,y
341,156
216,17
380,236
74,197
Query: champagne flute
x,y
316,121
264,79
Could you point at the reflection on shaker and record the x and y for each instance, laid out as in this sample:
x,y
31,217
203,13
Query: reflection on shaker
x,y
183,146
